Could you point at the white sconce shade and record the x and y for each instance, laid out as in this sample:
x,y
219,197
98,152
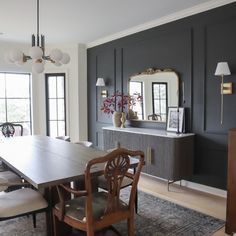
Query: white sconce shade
x,y
100,82
222,68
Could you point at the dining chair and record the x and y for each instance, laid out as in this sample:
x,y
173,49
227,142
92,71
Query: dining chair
x,y
90,211
9,130
65,138
127,182
84,143
20,202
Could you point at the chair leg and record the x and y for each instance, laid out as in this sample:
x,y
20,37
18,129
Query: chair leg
x,y
136,202
130,223
34,220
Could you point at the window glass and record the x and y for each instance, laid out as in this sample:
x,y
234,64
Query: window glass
x,y
18,110
52,91
17,86
15,100
53,109
159,91
56,110
60,87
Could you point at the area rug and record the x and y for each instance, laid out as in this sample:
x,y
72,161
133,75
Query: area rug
x,y
156,217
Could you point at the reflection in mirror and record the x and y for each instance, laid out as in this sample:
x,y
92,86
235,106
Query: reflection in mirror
x,y
159,90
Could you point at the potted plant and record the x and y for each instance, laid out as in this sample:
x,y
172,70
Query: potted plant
x,y
118,104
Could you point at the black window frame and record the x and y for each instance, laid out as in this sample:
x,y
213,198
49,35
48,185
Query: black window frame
x,y
47,75
153,100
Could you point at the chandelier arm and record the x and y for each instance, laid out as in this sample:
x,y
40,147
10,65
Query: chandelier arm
x,y
48,58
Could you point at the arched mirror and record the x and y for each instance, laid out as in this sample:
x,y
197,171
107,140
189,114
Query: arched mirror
x,y
159,90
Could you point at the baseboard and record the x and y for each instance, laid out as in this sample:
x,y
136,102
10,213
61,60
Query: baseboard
x,y
195,186
204,188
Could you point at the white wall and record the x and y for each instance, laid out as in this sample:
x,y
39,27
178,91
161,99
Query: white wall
x,y
76,84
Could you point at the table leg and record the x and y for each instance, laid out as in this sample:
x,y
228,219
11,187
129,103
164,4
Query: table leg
x,y
61,228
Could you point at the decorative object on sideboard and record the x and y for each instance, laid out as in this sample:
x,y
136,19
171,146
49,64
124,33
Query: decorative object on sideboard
x,y
37,53
123,119
222,69
119,103
101,83
175,120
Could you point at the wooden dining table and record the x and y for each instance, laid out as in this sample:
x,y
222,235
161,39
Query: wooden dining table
x,y
46,162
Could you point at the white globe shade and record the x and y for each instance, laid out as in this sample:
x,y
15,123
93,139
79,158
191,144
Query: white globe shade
x,y
57,63
37,67
65,58
56,55
7,58
16,55
19,63
36,52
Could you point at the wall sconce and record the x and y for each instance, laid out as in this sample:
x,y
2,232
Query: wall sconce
x,y
222,69
101,83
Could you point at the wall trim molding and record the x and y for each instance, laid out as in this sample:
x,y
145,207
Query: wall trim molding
x,y
163,20
194,186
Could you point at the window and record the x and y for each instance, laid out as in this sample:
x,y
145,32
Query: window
x,y
15,100
55,105
137,88
159,93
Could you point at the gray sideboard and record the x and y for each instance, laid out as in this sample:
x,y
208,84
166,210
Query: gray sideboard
x,y
167,155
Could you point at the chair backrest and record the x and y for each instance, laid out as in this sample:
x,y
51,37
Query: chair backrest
x,y
117,164
84,143
65,138
9,129
154,117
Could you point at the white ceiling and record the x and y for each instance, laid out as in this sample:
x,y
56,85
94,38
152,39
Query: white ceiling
x,y
85,21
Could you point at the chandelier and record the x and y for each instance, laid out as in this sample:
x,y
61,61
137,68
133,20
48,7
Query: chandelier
x,y
37,53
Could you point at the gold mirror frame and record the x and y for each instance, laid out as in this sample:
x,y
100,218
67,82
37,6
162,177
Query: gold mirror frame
x,y
147,78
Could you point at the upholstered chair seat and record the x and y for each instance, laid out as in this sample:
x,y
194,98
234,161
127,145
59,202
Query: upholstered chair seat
x,y
75,208
20,202
10,176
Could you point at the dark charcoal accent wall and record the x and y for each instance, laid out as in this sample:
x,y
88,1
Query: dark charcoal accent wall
x,y
191,46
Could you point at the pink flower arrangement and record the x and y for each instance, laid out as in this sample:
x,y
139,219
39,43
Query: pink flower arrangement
x,y
119,102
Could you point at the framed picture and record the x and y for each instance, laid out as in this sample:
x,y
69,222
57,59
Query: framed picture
x,y
175,120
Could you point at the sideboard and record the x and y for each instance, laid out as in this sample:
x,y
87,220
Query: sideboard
x,y
167,155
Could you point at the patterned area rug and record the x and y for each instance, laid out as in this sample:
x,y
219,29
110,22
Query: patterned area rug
x,y
156,217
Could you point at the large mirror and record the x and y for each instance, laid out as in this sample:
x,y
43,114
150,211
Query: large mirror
x,y
159,90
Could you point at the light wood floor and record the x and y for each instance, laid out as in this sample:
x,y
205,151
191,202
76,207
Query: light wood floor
x,y
199,201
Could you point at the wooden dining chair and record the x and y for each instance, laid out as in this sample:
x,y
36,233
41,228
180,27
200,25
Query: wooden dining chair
x,y
20,202
84,143
9,130
127,182
90,211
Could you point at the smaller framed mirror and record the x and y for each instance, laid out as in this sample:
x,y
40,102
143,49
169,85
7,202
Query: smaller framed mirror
x,y
159,90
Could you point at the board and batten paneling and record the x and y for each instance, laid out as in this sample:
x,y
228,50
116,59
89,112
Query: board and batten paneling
x,y
191,46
